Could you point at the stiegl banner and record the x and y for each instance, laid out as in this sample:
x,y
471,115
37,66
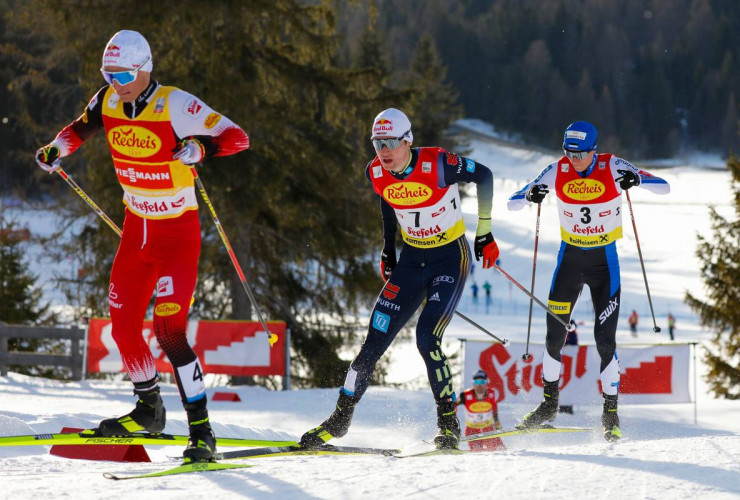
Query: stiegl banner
x,y
648,373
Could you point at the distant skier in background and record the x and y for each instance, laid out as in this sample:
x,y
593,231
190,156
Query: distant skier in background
x,y
155,133
487,287
671,325
588,187
418,192
481,413
633,320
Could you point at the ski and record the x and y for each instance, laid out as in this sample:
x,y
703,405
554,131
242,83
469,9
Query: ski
x,y
180,469
327,449
429,451
90,437
544,429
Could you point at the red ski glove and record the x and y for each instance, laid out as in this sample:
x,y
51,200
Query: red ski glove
x,y
486,248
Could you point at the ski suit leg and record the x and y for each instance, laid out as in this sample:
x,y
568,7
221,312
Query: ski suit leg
x,y
397,302
602,277
446,270
176,249
132,280
567,284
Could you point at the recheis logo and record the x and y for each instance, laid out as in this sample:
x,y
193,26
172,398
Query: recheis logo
x,y
167,309
407,193
133,141
212,120
481,406
583,189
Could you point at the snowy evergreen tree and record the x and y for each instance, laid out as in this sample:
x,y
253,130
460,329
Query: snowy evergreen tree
x,y
720,312
20,299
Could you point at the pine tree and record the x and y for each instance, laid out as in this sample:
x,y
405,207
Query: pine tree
x,y
20,297
719,312
38,91
433,105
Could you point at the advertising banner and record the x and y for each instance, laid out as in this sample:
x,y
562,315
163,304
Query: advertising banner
x,y
226,347
648,373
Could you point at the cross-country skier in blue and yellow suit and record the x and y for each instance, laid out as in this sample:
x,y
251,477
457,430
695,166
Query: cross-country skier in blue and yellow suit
x,y
588,187
419,193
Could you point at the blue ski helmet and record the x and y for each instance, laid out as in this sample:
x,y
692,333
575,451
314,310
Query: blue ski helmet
x,y
480,375
580,136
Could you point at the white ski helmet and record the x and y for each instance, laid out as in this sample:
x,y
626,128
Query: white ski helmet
x,y
392,123
128,49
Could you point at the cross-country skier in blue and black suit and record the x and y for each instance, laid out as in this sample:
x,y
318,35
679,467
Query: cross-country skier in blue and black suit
x,y
419,193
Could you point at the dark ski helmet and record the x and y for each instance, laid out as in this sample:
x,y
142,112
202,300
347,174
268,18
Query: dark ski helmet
x,y
480,375
580,136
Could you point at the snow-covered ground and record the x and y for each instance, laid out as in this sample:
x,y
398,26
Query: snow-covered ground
x,y
664,453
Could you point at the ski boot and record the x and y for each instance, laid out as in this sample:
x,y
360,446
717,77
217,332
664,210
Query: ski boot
x,y
202,442
547,409
335,426
149,415
448,428
610,419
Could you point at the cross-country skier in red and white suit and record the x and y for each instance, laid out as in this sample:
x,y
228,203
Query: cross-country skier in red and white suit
x,y
155,133
481,413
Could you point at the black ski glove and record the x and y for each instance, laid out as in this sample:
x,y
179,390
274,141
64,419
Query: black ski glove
x,y
537,193
628,179
387,262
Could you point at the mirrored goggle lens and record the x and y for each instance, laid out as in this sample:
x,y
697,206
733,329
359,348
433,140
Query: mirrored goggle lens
x,y
122,77
577,155
479,381
389,143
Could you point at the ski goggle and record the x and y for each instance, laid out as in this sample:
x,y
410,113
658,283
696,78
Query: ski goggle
x,y
122,77
479,381
391,143
576,155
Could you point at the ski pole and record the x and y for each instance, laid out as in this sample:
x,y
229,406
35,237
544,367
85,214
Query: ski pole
x,y
504,341
77,189
656,328
526,354
273,337
567,326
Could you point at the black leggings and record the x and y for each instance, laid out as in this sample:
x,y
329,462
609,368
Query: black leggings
x,y
435,275
599,269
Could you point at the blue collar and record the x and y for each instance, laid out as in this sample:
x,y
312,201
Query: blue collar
x,y
590,168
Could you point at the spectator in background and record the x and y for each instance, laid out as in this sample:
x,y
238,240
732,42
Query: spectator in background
x,y
487,288
633,320
481,413
474,288
671,325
